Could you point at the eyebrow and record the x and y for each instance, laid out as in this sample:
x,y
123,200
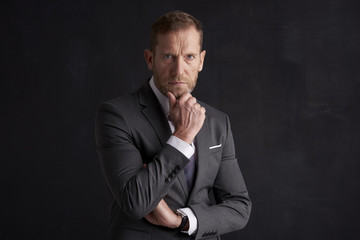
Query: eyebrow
x,y
169,53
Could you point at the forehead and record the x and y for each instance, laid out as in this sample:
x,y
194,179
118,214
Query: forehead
x,y
185,39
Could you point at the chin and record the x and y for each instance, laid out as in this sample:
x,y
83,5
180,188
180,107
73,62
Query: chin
x,y
178,92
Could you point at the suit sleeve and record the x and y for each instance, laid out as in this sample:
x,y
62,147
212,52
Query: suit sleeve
x,y
136,189
233,206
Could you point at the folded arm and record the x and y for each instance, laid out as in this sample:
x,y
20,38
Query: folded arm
x,y
233,206
137,190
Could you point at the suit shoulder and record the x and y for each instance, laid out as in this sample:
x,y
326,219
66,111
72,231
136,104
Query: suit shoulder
x,y
123,102
213,112
216,118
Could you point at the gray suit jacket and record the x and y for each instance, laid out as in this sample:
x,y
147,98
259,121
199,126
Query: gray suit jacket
x,y
132,130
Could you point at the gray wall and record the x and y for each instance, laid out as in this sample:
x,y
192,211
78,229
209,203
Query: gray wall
x,y
286,72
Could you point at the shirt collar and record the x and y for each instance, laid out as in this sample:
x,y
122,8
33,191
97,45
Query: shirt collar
x,y
164,101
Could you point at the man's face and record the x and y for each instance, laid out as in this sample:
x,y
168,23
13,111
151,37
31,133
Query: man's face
x,y
176,61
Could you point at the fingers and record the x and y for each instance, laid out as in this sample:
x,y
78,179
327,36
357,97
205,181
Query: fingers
x,y
197,106
188,101
187,116
191,101
185,98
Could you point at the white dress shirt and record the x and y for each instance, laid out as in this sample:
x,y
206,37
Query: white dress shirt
x,y
183,147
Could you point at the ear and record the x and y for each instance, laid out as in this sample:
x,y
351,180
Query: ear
x,y
149,58
202,58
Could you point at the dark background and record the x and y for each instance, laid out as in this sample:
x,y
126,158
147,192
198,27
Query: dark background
x,y
286,72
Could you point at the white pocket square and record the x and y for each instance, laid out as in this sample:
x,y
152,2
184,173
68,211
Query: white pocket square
x,y
215,146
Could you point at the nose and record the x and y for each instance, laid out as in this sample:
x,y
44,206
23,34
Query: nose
x,y
178,66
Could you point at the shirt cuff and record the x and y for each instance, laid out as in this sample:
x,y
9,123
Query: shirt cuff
x,y
192,220
181,146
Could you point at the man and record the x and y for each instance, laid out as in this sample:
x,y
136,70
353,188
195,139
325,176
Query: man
x,y
162,151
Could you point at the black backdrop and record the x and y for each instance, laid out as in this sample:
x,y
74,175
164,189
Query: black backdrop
x,y
286,72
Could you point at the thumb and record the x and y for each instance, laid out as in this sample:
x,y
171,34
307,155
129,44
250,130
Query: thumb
x,y
172,100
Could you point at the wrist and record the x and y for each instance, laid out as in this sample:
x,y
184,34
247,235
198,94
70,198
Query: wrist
x,y
183,137
184,224
177,221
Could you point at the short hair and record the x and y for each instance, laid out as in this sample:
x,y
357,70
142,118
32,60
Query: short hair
x,y
173,21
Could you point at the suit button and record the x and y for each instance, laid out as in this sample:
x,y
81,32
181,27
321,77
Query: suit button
x,y
177,168
167,180
171,175
175,171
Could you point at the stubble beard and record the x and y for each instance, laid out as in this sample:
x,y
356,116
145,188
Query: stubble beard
x,y
164,86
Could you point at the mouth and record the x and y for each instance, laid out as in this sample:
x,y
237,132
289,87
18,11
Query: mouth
x,y
177,83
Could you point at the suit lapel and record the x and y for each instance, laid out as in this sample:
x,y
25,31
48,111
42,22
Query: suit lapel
x,y
152,111
201,144
154,114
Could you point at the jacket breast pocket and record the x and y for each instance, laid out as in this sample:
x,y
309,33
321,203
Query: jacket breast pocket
x,y
215,151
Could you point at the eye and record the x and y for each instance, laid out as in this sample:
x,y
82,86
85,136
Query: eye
x,y
167,56
190,56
